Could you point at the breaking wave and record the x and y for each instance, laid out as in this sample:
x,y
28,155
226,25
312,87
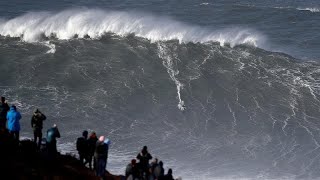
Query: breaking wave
x,y
314,10
94,23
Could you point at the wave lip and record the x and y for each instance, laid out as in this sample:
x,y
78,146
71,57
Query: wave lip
x,y
314,10
31,27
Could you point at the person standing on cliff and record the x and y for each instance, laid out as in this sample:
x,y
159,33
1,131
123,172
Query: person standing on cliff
x,y
158,171
168,176
4,108
144,157
82,147
153,165
37,124
132,171
101,156
52,135
91,148
13,117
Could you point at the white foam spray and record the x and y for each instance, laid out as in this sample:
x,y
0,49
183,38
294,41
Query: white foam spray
x,y
52,47
31,27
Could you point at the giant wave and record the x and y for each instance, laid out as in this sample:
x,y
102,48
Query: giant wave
x,y
207,111
95,23
247,113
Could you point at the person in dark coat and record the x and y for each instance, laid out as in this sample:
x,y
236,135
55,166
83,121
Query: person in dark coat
x,y
37,124
101,156
132,170
82,147
52,135
168,176
4,108
13,117
144,157
91,148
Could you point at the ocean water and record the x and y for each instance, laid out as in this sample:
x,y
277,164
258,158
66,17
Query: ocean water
x,y
215,89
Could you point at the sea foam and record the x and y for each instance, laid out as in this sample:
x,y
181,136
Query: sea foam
x,y
95,23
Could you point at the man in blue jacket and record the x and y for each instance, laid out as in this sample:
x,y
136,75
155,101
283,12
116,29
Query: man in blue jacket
x,y
13,117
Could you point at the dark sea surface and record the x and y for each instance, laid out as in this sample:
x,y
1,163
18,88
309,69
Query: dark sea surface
x,y
215,89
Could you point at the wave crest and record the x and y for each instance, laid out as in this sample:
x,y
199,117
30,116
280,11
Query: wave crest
x,y
31,27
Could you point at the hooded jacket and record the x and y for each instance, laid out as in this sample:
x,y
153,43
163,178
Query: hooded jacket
x,y
13,117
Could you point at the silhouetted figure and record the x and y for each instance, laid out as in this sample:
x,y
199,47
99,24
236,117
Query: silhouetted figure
x,y
37,124
82,147
132,171
91,148
52,135
168,176
13,117
7,145
4,108
144,157
101,156
159,171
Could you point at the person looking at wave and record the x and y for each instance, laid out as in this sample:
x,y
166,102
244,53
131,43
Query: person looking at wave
x,y
158,171
168,176
132,171
101,156
91,148
4,108
82,147
13,117
37,124
144,157
52,135
153,165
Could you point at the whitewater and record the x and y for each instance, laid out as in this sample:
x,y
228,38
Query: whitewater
x,y
216,90
95,23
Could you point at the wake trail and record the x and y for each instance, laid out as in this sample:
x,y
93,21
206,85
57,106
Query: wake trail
x,y
168,63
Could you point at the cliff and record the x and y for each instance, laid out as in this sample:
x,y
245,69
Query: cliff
x,y
23,161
